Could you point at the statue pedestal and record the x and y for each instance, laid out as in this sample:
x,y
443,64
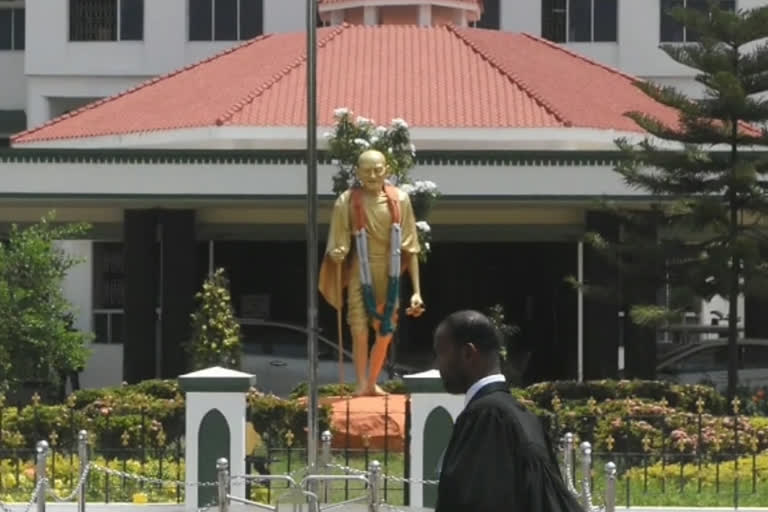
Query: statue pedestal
x,y
433,412
215,427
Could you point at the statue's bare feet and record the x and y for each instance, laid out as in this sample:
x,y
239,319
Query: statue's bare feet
x,y
376,391
361,390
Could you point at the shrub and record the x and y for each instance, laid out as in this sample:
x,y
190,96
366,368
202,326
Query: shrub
x,y
64,470
395,387
710,472
684,397
283,422
149,415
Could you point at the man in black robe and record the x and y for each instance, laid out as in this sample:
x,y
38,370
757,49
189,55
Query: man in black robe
x,y
499,457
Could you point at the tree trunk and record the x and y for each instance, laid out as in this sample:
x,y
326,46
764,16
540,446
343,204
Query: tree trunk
x,y
733,331
733,288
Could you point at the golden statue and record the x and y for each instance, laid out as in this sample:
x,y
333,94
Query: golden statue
x,y
378,219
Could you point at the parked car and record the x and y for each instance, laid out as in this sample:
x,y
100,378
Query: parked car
x,y
277,354
707,362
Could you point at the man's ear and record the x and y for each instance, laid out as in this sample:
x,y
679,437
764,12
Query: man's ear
x,y
469,349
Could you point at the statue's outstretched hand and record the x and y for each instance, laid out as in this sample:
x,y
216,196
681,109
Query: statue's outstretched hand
x,y
417,306
337,254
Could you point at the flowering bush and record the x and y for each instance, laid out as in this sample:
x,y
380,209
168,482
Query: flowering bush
x,y
64,471
351,137
648,417
711,474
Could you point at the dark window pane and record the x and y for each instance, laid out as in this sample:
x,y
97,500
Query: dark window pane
x,y
93,20
491,17
671,30
225,20
699,5
132,20
580,20
606,21
6,29
200,22
728,5
251,18
101,328
18,29
553,20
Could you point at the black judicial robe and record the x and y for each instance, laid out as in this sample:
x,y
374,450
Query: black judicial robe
x,y
500,459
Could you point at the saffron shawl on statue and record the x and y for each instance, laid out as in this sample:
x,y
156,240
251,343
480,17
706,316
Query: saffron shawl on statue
x,y
352,215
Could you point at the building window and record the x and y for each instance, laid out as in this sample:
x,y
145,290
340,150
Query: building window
x,y
108,292
580,21
225,20
674,32
12,29
106,20
491,17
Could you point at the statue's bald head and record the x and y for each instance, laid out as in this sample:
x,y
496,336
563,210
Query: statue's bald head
x,y
371,157
372,170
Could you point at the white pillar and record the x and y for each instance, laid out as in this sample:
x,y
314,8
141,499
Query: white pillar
x,y
425,15
337,17
38,109
427,395
370,15
207,391
461,18
78,283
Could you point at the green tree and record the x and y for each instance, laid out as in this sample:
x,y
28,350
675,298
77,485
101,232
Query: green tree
x,y
36,342
216,333
708,232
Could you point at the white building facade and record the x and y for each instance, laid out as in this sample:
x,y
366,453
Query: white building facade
x,y
56,55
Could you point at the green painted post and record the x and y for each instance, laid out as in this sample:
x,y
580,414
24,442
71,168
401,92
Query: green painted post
x,y
215,428
431,424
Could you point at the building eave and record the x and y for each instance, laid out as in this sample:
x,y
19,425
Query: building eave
x,y
292,156
294,138
454,157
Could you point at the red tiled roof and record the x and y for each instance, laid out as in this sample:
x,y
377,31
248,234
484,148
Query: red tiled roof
x,y
432,77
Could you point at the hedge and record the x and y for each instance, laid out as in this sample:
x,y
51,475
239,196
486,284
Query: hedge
x,y
149,415
395,387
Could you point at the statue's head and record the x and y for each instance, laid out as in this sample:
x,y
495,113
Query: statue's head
x,y
372,170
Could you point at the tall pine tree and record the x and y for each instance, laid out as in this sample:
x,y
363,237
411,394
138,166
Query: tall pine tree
x,y
707,234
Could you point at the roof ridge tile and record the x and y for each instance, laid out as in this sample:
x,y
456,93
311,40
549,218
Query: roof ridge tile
x,y
137,87
530,91
265,86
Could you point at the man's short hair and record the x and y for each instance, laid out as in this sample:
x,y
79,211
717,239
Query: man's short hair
x,y
470,326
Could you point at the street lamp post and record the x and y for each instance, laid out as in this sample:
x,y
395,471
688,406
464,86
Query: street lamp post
x,y
312,243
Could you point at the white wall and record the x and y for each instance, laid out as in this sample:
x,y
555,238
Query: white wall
x,y
13,84
284,16
104,367
637,50
78,284
521,16
165,46
60,69
50,95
